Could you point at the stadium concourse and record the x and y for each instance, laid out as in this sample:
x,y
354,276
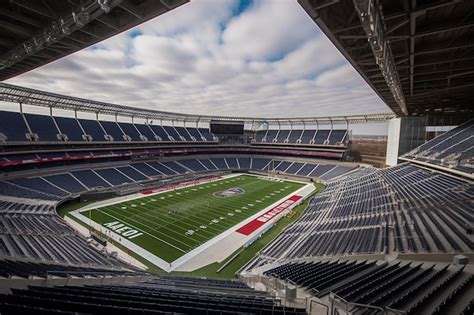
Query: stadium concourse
x,y
112,209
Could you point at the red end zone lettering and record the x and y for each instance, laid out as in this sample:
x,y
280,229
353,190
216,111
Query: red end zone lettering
x,y
253,225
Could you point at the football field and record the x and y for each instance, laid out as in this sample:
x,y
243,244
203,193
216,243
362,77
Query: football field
x,y
171,224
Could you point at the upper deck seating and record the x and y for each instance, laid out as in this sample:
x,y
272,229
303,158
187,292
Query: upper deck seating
x,y
43,126
172,134
408,287
70,127
160,132
131,131
352,214
453,149
14,128
146,131
183,132
93,129
112,129
300,136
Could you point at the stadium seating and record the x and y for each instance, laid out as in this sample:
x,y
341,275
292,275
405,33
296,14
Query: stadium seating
x,y
57,186
90,179
93,129
43,126
26,269
146,132
453,149
46,237
300,136
14,128
70,127
161,296
400,210
394,285
431,213
113,176
30,229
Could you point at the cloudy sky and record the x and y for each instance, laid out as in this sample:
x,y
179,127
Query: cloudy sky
x,y
261,58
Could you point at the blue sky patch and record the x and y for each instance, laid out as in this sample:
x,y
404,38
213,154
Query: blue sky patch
x,y
242,6
136,32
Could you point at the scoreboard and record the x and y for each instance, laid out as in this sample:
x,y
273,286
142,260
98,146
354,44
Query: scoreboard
x,y
231,128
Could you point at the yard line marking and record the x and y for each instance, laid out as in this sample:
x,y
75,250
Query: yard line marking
x,y
145,232
154,229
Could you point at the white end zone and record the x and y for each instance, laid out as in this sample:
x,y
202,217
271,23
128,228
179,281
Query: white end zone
x,y
214,250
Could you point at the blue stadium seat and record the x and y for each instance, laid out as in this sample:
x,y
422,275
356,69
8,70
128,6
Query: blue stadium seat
x,y
112,129
294,136
184,133
193,164
260,163
244,163
194,132
321,136
270,136
93,129
282,136
146,131
146,169
232,162
13,126
113,176
131,131
206,134
89,179
175,167
208,164
66,182
43,126
160,132
165,170
337,136
132,173
70,127
307,136
172,133
294,168
220,163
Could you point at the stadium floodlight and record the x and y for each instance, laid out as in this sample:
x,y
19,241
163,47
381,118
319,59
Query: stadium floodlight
x,y
371,17
57,30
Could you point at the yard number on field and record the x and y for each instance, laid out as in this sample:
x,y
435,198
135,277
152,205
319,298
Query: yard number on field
x,y
122,229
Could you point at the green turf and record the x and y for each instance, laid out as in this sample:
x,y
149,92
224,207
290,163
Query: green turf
x,y
247,254
166,217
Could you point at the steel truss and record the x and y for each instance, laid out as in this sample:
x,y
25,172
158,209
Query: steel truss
x,y
27,96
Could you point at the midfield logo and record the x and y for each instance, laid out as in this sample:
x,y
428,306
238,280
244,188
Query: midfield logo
x,y
231,192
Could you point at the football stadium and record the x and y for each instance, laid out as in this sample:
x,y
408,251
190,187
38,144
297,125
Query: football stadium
x,y
148,200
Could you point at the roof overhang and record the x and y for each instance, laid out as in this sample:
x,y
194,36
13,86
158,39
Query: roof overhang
x,y
416,55
35,33
22,95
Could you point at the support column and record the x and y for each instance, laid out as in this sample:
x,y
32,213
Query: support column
x,y
404,134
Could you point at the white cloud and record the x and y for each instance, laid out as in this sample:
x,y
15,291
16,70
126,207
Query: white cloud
x,y
267,30
271,60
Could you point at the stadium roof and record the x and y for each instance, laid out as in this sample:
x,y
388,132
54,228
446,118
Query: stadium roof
x,y
418,55
22,95
34,33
